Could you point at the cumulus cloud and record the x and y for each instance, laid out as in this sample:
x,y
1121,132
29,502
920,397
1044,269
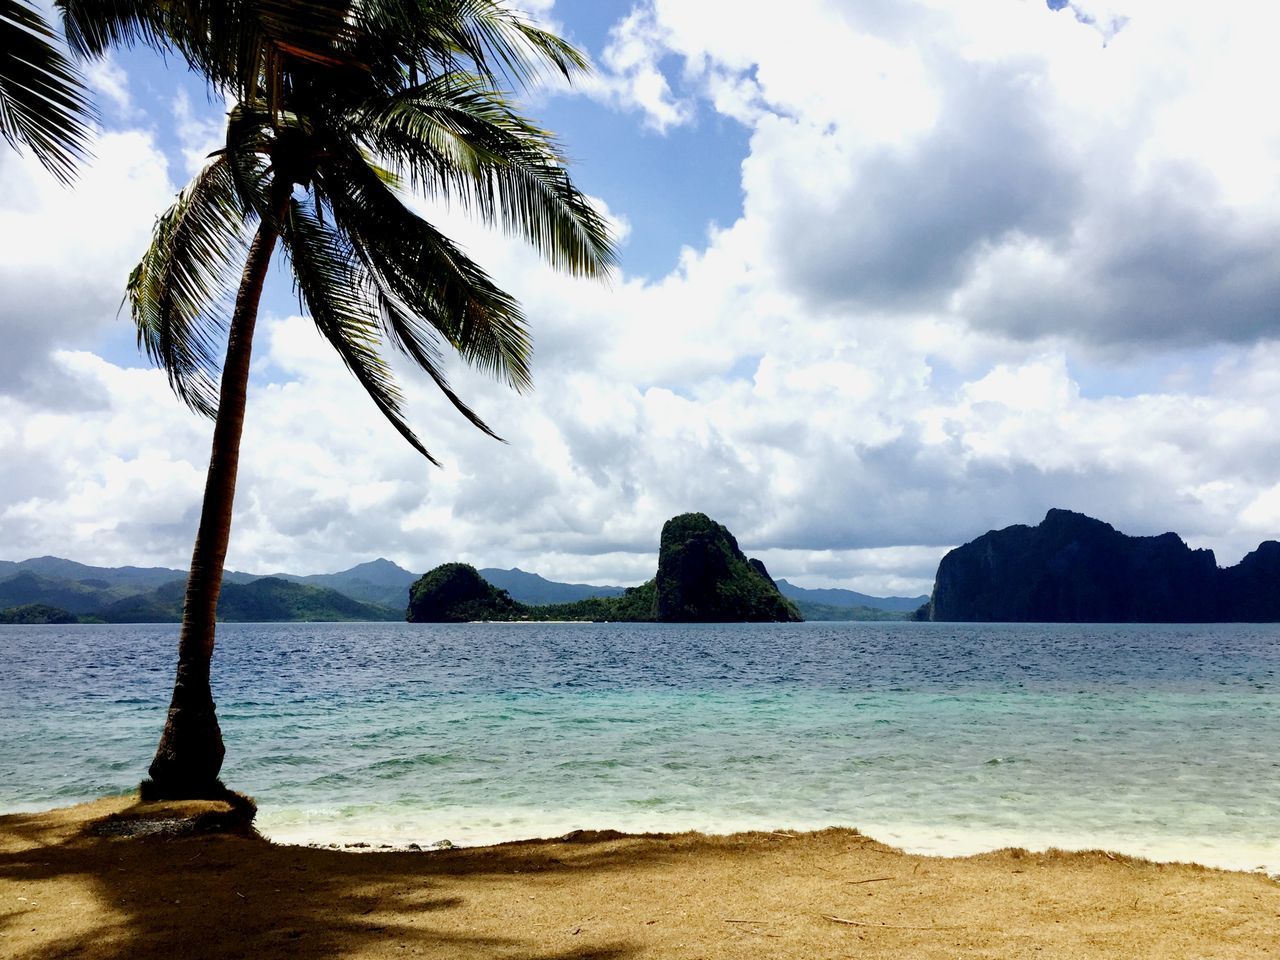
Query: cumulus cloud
x,y
65,255
631,76
198,134
1109,177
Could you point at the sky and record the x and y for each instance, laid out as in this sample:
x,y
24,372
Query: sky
x,y
893,273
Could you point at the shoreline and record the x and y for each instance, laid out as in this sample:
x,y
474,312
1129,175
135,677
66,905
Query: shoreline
x,y
1203,854
66,887
386,832
914,839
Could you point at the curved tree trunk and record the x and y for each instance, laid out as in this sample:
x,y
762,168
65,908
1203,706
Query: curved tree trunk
x,y
190,753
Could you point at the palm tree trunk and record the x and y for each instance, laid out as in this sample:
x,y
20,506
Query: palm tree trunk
x,y
190,753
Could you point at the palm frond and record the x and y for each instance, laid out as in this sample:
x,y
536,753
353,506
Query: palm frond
x,y
179,293
456,139
521,48
419,267
43,104
251,47
246,47
420,342
329,92
249,140
336,292
92,27
485,36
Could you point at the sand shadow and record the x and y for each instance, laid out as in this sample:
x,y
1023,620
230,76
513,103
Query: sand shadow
x,y
217,895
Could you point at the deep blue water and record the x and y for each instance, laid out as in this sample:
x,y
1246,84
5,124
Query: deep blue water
x,y
1161,740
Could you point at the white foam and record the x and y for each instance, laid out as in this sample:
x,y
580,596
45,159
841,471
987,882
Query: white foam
x,y
479,826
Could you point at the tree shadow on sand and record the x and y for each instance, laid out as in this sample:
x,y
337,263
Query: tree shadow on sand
x,y
233,896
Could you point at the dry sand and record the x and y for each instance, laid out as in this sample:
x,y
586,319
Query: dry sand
x,y
68,891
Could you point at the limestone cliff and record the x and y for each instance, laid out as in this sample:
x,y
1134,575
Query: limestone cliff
x,y
703,576
1073,568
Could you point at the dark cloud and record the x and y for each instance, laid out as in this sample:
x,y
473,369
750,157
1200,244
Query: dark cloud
x,y
906,231
40,314
1168,266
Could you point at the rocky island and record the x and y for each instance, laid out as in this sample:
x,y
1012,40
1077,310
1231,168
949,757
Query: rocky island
x,y
703,577
1073,568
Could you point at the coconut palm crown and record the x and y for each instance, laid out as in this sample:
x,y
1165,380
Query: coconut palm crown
x,y
342,108
43,104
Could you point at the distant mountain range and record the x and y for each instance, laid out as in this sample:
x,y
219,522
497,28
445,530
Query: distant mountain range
x,y
376,590
378,581
839,604
533,589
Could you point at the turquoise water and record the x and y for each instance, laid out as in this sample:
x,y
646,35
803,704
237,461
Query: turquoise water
x,y
1154,740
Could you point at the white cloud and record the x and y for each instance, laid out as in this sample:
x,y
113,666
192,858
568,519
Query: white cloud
x,y
596,465
108,79
1011,167
198,136
65,254
631,77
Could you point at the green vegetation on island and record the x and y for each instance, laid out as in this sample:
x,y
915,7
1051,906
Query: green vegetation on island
x,y
703,576
265,600
456,593
828,611
36,613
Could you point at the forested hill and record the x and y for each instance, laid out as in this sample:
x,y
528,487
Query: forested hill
x,y
266,599
703,576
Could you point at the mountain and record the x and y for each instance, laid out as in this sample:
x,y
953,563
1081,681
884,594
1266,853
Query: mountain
x,y
1073,568
702,577
379,590
128,579
265,600
273,599
28,587
533,589
378,581
369,591
1251,589
825,611
832,597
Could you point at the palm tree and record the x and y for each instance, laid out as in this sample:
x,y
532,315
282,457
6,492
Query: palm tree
x,y
337,112
43,104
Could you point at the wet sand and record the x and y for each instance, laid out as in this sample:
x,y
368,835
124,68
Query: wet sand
x,y
69,888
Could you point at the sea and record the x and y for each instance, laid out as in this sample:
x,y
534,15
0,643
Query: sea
x,y
1160,741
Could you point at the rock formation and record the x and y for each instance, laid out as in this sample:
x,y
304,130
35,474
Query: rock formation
x,y
456,593
702,577
1073,568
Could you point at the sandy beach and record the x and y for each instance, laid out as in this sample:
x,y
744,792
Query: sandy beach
x,y
71,888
